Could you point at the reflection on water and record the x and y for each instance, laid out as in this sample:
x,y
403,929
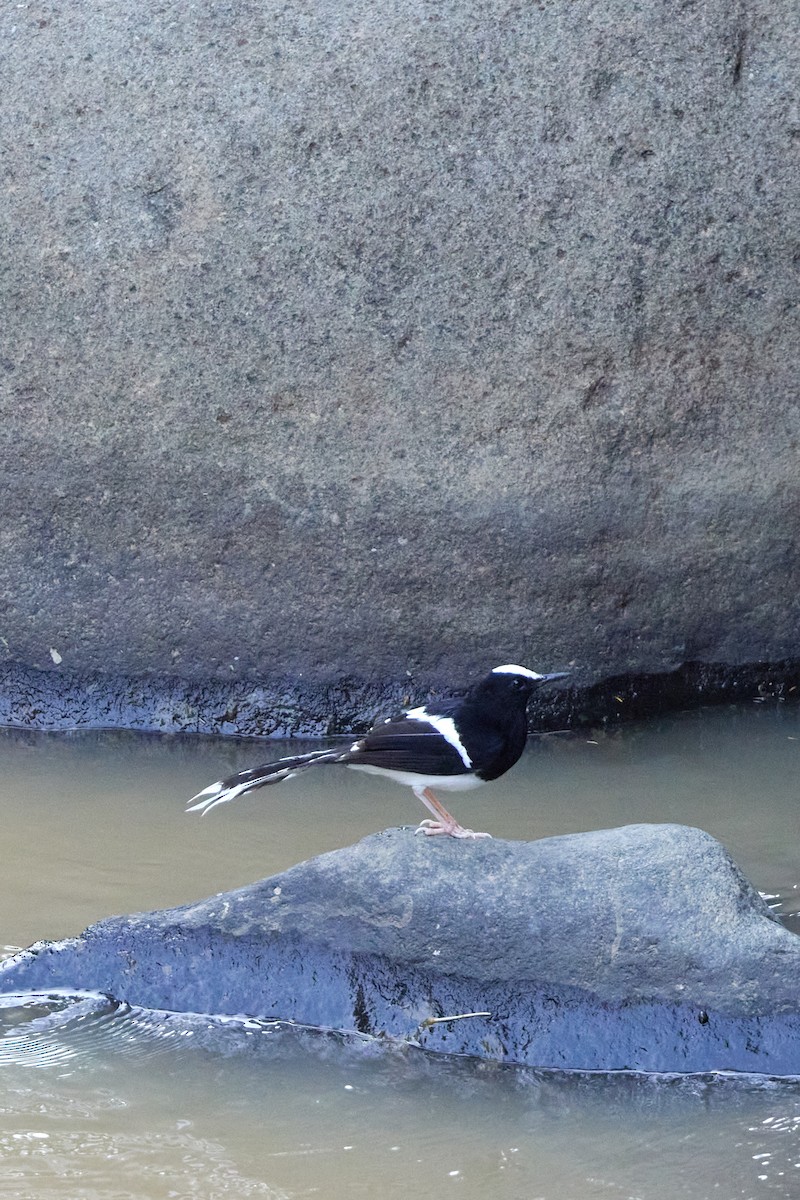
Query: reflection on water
x,y
139,1106
100,1100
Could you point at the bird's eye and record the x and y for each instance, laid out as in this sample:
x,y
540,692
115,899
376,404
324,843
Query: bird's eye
x,y
516,683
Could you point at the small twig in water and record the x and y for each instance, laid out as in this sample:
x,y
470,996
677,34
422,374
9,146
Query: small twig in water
x,y
457,1017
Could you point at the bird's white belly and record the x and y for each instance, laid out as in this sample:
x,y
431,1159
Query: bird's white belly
x,y
446,783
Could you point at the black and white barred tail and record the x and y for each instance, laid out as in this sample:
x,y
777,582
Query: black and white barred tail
x,y
247,781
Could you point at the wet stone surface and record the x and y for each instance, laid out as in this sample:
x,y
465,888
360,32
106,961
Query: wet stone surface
x,y
62,699
637,948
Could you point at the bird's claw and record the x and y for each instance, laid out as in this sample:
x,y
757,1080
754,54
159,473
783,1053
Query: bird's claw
x,y
440,829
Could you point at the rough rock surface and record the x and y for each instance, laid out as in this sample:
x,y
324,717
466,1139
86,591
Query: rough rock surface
x,y
638,948
33,699
357,338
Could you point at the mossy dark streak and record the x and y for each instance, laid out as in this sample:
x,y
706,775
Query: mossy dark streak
x,y
59,700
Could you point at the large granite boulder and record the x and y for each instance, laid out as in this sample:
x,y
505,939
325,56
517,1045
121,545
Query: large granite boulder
x,y
352,340
640,948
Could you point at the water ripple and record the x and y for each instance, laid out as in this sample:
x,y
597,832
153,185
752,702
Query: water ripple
x,y
46,1029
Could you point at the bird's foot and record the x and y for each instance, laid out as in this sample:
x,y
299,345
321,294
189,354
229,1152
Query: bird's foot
x,y
446,829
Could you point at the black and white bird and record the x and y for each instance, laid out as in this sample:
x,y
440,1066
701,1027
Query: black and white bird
x,y
452,744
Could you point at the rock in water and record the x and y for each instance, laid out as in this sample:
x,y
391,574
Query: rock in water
x,y
642,948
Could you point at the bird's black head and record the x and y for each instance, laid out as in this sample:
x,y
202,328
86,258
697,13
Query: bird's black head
x,y
511,686
493,721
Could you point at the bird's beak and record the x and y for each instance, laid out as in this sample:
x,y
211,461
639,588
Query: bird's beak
x,y
555,675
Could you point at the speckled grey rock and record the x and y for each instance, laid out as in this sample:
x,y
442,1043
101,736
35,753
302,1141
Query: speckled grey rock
x,y
356,338
639,948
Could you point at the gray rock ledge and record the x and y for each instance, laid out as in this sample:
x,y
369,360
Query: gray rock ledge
x,y
641,948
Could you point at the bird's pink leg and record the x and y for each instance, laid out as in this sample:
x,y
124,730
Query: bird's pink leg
x,y
445,824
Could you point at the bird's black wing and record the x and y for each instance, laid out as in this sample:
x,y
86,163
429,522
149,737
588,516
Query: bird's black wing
x,y
406,744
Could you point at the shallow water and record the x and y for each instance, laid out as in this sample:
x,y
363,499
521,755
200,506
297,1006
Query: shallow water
x,y
109,1102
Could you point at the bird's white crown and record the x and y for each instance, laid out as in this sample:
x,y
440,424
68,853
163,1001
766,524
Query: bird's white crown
x,y
513,669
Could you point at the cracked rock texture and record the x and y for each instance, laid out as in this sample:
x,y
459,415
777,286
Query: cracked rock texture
x,y
641,948
350,339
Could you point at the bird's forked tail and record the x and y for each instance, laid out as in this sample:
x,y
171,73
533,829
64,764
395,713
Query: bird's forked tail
x,y
247,781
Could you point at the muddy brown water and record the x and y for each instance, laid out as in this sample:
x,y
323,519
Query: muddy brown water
x,y
113,1105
